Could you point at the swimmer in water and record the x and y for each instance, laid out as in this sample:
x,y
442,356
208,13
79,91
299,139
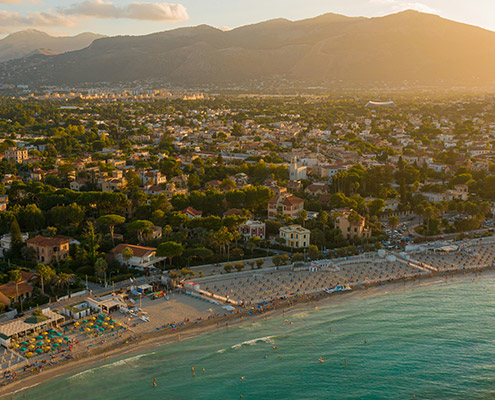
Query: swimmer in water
x,y
154,382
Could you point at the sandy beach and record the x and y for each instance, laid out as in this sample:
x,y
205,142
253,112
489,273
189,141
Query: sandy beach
x,y
147,336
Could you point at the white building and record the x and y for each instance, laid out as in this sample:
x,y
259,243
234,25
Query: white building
x,y
297,172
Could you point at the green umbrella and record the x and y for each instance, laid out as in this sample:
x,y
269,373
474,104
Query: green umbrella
x,y
40,344
38,351
85,321
39,337
101,316
66,339
51,336
58,334
24,343
22,349
57,344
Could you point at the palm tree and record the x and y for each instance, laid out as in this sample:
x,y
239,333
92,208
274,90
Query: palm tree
x,y
46,273
16,276
64,280
101,267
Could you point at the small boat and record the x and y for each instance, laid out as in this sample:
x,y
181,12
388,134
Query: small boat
x,y
321,359
144,318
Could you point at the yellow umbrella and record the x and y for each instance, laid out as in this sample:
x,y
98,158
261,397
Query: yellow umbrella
x,y
29,354
76,323
90,324
16,346
31,346
32,339
93,318
118,324
111,326
87,329
48,340
107,319
47,348
45,333
105,323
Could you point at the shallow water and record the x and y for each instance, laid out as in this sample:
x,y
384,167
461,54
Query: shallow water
x,y
431,342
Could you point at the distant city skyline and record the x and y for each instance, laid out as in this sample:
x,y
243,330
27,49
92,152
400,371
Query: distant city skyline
x,y
128,17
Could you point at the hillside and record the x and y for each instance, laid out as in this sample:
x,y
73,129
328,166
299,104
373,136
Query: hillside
x,y
28,42
407,46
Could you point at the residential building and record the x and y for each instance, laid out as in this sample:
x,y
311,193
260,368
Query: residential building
x,y
253,229
192,213
142,257
352,225
295,236
16,155
287,205
49,250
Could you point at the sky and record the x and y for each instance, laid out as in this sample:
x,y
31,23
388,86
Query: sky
x,y
137,17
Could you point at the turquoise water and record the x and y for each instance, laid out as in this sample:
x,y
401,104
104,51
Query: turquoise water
x,y
431,342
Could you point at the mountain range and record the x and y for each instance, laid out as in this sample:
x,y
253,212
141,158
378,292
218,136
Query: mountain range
x,y
409,47
31,41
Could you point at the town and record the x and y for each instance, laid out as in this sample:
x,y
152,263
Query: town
x,y
113,206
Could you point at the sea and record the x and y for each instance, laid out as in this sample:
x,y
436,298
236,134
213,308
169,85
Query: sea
x,y
421,341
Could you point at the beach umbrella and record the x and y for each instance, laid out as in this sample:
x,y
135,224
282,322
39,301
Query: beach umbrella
x,y
45,333
66,338
105,323
85,321
32,339
111,326
16,346
107,319
47,340
112,321
93,318
39,351
40,344
39,337
29,354
101,316
47,348
87,330
22,349
59,341
118,324
57,344
51,336
31,346
58,334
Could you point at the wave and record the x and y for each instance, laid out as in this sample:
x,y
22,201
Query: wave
x,y
266,339
114,364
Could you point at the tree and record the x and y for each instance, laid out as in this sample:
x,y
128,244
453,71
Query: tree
x,y
16,276
64,280
16,237
101,266
46,273
127,254
239,266
393,221
91,241
227,267
140,226
169,250
111,220
260,262
375,207
253,242
313,252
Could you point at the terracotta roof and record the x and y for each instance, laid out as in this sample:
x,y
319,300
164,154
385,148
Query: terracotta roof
x,y
138,251
233,211
9,290
47,242
287,200
192,211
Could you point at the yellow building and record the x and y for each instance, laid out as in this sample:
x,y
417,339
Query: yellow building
x,y
295,236
352,225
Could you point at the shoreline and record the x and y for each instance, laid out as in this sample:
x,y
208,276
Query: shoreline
x,y
147,340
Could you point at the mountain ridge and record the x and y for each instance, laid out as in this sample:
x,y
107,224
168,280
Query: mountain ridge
x,y
407,46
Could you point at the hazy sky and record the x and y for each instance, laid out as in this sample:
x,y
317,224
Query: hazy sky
x,y
114,17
